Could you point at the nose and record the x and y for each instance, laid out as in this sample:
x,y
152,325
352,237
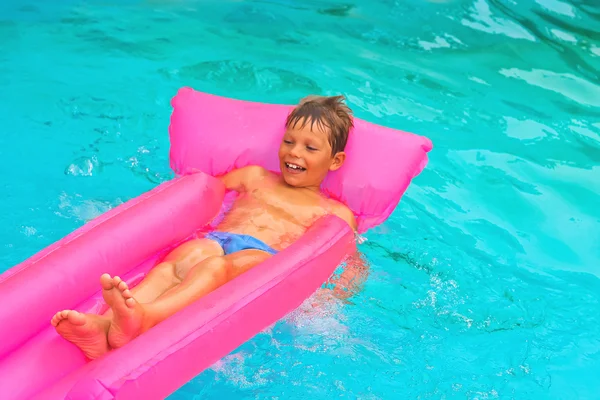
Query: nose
x,y
295,151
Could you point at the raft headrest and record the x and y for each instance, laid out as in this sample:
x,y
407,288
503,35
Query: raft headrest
x,y
216,134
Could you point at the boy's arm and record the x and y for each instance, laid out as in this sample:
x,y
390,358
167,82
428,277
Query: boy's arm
x,y
350,281
242,178
352,278
346,214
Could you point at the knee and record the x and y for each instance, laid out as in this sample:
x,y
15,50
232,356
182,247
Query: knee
x,y
166,271
218,267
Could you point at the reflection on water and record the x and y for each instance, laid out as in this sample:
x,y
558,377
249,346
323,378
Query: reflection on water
x,y
483,283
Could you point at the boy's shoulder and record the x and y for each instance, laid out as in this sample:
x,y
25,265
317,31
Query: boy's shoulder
x,y
342,211
254,171
244,178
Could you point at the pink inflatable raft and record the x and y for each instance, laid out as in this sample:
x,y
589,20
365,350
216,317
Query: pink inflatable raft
x,y
210,135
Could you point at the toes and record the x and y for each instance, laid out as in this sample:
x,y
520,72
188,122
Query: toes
x,y
76,318
130,302
117,281
106,281
123,286
56,318
59,316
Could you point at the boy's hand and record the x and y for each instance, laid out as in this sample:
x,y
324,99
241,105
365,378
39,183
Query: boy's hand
x,y
352,278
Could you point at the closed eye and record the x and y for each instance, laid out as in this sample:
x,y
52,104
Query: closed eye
x,y
287,141
312,148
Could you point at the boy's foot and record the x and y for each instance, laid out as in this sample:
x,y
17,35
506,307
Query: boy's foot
x,y
86,331
128,314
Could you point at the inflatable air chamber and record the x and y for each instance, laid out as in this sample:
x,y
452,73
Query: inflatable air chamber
x,y
210,136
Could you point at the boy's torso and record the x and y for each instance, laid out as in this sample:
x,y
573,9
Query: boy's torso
x,y
274,212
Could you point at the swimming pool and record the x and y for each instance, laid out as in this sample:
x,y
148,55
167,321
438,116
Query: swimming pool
x,y
485,281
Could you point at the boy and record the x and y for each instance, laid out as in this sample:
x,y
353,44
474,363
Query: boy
x,y
270,213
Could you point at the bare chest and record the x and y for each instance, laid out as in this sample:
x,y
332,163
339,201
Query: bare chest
x,y
287,202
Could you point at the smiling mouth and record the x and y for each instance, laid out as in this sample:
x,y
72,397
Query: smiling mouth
x,y
294,167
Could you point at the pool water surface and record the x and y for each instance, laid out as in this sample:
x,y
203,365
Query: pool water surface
x,y
484,283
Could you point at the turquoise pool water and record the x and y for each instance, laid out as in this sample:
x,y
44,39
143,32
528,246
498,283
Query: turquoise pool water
x,y
484,284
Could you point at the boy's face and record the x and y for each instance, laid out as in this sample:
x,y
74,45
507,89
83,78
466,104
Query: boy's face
x,y
305,155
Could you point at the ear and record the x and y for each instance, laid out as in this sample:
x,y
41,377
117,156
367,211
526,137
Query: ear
x,y
338,161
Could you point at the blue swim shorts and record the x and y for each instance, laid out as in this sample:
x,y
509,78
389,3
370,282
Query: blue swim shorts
x,y
232,242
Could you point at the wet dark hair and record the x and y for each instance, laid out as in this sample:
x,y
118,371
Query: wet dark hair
x,y
329,113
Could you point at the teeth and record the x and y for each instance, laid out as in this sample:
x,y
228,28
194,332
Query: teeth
x,y
294,166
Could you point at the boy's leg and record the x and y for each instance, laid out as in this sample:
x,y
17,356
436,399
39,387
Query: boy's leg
x,y
201,280
171,271
240,262
89,331
173,268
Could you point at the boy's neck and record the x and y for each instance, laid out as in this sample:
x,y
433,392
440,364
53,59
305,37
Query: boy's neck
x,y
316,189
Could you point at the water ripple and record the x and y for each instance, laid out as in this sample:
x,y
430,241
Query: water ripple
x,y
484,281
